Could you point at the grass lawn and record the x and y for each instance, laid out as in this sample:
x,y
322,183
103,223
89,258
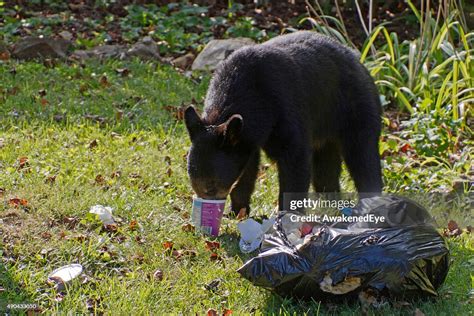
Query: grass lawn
x,y
75,136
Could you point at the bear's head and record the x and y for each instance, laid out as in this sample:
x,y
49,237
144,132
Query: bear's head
x,y
217,156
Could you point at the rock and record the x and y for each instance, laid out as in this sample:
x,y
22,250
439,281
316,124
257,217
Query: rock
x,y
144,49
217,50
66,35
184,61
35,47
101,52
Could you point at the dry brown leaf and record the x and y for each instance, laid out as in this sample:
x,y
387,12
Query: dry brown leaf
x,y
211,312
189,228
17,202
212,245
133,225
94,143
158,275
104,82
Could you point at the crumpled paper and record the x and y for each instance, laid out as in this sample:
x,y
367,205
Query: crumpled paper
x,y
104,212
252,233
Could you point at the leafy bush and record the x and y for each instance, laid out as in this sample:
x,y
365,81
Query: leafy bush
x,y
429,73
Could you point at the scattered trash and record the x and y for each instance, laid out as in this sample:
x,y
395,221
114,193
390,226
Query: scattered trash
x,y
404,256
65,274
104,212
207,215
252,233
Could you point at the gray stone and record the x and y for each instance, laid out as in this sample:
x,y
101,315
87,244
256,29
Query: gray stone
x,y
35,47
184,61
144,49
66,35
217,50
101,52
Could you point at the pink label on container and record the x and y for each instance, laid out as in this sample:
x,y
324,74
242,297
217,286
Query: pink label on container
x,y
211,215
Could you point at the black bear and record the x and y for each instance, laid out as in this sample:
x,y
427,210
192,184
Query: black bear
x,y
303,98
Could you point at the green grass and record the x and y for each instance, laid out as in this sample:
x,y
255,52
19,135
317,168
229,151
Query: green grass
x,y
147,145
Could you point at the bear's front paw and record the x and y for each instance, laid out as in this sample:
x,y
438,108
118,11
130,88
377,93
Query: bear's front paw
x,y
239,212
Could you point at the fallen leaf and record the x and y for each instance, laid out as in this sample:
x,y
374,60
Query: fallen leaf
x,y
17,202
189,228
158,275
4,55
138,257
122,71
406,147
116,174
140,239
227,312
189,253
42,92
23,162
133,225
215,257
452,230
50,179
79,237
46,235
177,112
59,297
44,102
211,312
99,179
176,254
213,286
212,245
452,225
111,228
94,143
134,176
104,82
168,245
71,222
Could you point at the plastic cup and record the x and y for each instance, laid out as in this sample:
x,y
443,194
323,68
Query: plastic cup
x,y
207,215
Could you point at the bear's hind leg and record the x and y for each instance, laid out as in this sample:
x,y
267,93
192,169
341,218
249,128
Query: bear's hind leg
x,y
361,155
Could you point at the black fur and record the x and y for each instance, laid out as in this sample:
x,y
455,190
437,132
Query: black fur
x,y
304,99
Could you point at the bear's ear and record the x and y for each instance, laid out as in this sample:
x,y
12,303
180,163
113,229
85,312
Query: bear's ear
x,y
231,129
193,122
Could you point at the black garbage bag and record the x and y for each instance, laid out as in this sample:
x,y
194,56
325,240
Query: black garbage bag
x,y
405,256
